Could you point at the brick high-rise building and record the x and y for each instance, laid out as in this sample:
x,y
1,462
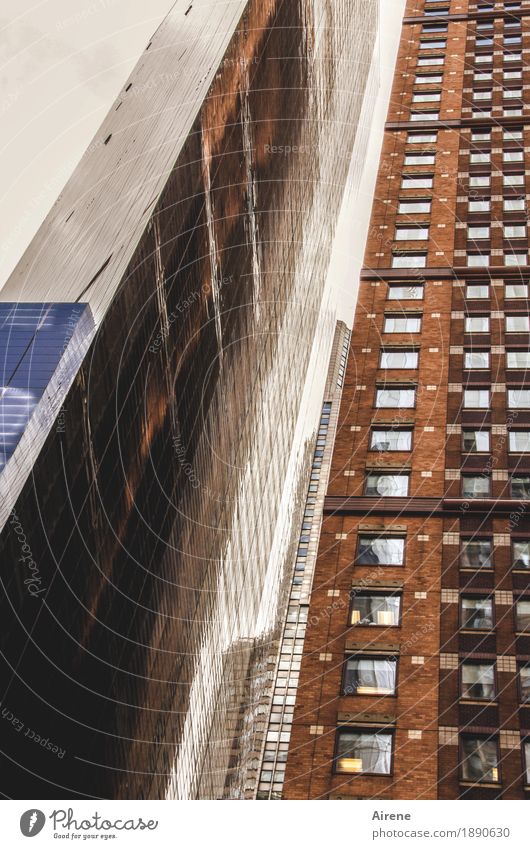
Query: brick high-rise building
x,y
415,678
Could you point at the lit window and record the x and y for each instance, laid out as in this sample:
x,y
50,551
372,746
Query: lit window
x,y
414,206
478,260
516,290
477,324
514,231
513,156
520,441
482,205
480,158
386,484
409,260
477,291
412,292
412,233
476,399
514,204
364,751
522,616
422,138
397,439
382,551
369,676
427,97
519,399
518,359
477,613
515,259
476,441
402,324
395,397
480,760
476,554
521,556
479,181
517,324
419,159
476,359
513,179
475,486
475,233
399,358
420,181
478,681
375,608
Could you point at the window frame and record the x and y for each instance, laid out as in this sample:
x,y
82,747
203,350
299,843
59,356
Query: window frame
x,y
477,661
490,738
467,630
366,591
367,655
363,729
476,569
399,429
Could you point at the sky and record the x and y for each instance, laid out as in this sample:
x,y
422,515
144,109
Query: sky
x,y
62,63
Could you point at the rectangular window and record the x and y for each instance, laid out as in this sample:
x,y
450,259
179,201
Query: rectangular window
x,y
422,138
515,259
480,760
522,616
397,439
519,441
483,205
514,231
475,486
513,179
484,59
512,57
476,554
476,399
513,156
519,399
412,233
412,292
423,62
484,41
475,232
476,359
399,358
427,97
478,681
386,485
425,79
395,398
437,28
512,93
417,182
520,487
477,613
512,135
382,551
432,45
482,95
479,181
521,555
517,324
482,76
518,359
479,158
375,608
476,441
477,324
420,159
364,752
427,115
516,290
482,134
478,260
402,324
513,75
511,112
477,291
369,676
512,39
524,692
514,204
414,206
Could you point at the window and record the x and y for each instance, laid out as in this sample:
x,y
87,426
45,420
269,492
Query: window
x,y
513,156
482,205
475,486
422,138
364,751
516,290
512,135
397,439
480,158
480,760
425,79
520,487
401,323
478,260
515,259
482,134
482,76
513,179
394,397
476,554
414,206
512,112
524,693
484,59
369,676
485,26
386,484
444,11
519,399
427,115
384,551
409,260
517,323
476,399
437,28
431,44
477,324
520,441
420,181
476,441
518,359
484,41
477,291
479,181
476,359
514,231
478,681
427,97
521,558
399,358
476,232
430,60
512,39
512,93
522,616
420,159
482,95
514,204
412,292
477,613
375,608
513,75
412,233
